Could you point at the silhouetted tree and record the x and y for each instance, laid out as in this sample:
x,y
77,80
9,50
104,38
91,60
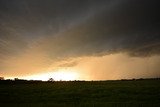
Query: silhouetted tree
x,y
51,79
16,79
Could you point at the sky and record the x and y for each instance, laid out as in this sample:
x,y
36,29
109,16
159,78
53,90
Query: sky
x,y
80,39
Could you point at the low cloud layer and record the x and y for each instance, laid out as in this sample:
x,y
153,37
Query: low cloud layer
x,y
118,66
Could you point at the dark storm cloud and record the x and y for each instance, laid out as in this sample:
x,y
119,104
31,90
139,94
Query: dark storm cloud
x,y
80,27
122,26
23,21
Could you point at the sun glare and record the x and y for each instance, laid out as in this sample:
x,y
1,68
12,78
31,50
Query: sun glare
x,y
61,74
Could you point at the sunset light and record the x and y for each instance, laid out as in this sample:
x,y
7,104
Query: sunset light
x,y
62,75
59,75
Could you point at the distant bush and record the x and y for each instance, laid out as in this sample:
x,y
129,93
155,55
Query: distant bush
x,y
1,78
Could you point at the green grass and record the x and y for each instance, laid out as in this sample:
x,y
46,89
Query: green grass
x,y
140,93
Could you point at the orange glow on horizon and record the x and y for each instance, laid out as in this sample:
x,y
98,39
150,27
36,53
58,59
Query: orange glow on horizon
x,y
61,74
107,67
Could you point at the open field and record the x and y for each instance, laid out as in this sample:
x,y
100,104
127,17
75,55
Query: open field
x,y
136,93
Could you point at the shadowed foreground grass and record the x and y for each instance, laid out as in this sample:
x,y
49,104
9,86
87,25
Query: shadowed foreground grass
x,y
139,93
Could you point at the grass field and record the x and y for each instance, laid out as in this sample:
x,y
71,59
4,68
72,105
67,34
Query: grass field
x,y
136,93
